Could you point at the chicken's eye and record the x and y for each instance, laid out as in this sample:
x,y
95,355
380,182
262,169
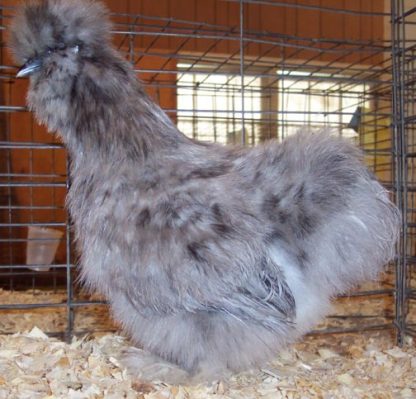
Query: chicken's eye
x,y
59,46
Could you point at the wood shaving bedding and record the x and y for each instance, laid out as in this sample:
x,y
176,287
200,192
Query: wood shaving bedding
x,y
33,365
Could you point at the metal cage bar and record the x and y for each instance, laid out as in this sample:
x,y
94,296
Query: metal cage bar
x,y
404,90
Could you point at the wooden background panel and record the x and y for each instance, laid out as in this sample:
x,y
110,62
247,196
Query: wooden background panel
x,y
267,19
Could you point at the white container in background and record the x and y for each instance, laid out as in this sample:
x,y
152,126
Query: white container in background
x,y
41,247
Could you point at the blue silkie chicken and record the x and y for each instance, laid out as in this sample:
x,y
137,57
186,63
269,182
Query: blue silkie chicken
x,y
211,257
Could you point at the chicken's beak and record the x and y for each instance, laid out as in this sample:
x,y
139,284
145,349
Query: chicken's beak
x,y
31,66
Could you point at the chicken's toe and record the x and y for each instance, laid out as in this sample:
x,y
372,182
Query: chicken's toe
x,y
146,367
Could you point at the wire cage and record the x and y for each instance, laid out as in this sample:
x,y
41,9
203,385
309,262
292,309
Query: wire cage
x,y
404,111
234,72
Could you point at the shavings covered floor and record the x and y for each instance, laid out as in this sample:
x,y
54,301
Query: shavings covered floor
x,y
33,365
360,365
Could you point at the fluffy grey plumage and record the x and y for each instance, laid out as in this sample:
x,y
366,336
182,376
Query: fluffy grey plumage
x,y
212,257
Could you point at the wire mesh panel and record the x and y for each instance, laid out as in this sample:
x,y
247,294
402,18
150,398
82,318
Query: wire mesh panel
x,y
234,72
404,68
34,254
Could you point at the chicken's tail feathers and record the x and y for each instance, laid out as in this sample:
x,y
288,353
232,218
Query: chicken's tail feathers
x,y
48,24
360,236
339,219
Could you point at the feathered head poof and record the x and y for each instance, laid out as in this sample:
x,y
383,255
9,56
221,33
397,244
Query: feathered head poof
x,y
44,25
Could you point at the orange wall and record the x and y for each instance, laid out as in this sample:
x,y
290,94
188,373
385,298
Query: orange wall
x,y
264,18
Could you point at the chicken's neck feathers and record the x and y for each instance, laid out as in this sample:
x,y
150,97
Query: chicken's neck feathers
x,y
101,110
